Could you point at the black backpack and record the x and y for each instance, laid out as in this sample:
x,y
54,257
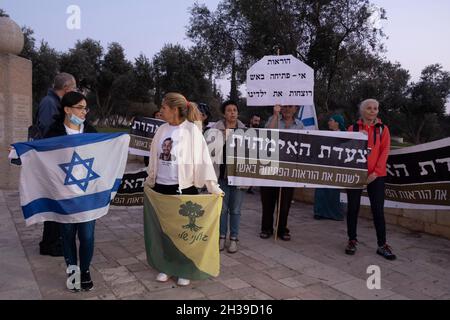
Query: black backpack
x,y
34,132
378,126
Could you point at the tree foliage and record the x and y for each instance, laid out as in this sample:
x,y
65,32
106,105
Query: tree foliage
x,y
337,38
178,69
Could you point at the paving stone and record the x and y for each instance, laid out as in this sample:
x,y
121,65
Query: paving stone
x,y
259,266
127,261
122,290
410,292
178,293
117,276
226,261
210,289
291,282
325,292
152,285
396,297
270,287
23,293
138,267
327,275
358,290
311,266
280,272
235,283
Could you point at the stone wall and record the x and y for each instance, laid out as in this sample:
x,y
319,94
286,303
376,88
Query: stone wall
x,y
15,112
435,222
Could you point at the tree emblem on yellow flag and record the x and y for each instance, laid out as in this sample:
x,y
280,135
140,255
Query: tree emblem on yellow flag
x,y
192,211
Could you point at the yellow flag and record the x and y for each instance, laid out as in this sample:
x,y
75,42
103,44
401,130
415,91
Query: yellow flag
x,y
182,233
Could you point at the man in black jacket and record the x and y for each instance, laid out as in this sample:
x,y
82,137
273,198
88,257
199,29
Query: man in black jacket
x,y
50,104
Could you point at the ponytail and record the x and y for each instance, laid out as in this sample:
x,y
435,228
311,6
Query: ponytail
x,y
187,110
193,114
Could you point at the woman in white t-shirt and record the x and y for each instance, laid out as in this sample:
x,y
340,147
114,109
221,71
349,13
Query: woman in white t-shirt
x,y
179,157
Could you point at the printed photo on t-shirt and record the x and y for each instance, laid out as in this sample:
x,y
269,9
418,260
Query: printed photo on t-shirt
x,y
166,147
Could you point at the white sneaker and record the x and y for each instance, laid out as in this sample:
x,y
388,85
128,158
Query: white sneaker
x,y
233,246
221,244
183,282
162,277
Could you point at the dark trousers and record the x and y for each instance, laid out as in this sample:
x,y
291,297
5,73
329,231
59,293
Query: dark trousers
x,y
269,199
85,232
173,189
375,191
51,236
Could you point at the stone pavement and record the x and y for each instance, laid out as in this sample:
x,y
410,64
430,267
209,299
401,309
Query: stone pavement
x,y
311,266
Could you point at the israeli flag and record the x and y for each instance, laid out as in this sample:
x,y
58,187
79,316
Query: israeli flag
x,y
71,179
307,115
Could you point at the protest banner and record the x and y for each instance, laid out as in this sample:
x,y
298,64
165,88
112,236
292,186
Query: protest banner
x,y
131,189
297,158
418,177
280,80
142,132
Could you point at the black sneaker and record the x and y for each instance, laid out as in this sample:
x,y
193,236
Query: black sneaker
x,y
351,247
386,252
86,281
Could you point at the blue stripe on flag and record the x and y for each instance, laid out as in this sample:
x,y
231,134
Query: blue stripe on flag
x,y
71,206
308,122
63,142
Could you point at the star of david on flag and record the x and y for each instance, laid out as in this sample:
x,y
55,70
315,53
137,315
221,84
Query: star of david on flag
x,y
77,161
72,178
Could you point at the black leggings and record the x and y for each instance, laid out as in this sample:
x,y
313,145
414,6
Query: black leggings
x,y
173,189
375,191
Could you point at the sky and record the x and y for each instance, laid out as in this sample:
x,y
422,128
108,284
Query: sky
x,y
418,31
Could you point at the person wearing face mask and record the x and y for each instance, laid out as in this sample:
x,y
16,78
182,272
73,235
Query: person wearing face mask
x,y
379,145
72,120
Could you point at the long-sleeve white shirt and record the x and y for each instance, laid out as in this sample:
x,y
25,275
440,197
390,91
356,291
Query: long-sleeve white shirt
x,y
195,167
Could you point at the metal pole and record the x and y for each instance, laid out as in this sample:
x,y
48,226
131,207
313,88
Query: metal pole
x,y
279,189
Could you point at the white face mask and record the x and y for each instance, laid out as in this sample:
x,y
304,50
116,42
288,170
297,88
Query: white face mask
x,y
75,120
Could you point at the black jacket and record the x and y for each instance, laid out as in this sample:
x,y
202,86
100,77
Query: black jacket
x,y
57,129
48,108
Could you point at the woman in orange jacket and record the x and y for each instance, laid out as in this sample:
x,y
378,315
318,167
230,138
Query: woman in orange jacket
x,y
379,144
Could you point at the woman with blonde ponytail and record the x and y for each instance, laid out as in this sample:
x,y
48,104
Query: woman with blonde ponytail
x,y
178,106
179,157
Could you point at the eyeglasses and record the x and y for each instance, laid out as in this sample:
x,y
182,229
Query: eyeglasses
x,y
85,109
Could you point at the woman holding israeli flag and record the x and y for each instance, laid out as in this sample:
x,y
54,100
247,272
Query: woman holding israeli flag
x,y
70,178
72,120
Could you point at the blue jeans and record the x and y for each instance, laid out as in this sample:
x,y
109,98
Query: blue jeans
x,y
86,236
231,206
